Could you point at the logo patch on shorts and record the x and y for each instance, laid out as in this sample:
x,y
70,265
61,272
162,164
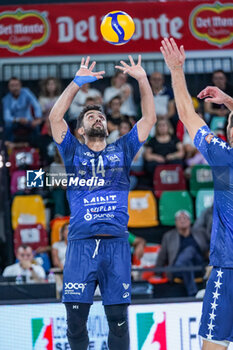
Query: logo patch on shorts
x,y
125,285
125,295
209,137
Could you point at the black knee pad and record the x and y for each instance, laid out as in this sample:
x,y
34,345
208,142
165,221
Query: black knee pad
x,y
117,319
77,314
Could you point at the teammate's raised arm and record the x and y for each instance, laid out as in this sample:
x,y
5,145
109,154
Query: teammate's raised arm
x,y
215,95
174,58
147,100
84,75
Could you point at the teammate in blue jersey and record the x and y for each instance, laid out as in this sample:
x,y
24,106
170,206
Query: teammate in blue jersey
x,y
98,183
216,326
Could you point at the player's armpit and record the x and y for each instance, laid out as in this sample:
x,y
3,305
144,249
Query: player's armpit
x,y
59,130
193,122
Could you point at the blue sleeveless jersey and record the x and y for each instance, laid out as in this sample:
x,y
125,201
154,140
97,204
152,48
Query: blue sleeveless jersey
x,y
98,199
219,155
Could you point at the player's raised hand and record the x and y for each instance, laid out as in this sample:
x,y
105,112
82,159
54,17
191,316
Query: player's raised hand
x,y
213,94
86,71
173,56
134,70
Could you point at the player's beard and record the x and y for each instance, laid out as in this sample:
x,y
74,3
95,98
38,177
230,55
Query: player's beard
x,y
96,132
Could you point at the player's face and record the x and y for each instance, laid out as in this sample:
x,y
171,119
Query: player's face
x,y
95,124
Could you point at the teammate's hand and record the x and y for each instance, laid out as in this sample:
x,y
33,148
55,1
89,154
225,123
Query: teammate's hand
x,y
173,56
85,71
135,70
213,94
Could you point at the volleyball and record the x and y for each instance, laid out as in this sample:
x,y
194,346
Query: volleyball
x,y
117,27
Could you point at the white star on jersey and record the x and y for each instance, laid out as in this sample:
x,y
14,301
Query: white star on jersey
x,y
217,284
223,144
209,336
214,305
211,326
219,273
212,316
203,132
215,294
215,140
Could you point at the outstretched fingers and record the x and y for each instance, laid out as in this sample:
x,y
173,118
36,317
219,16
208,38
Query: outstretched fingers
x,y
87,61
131,60
139,60
92,66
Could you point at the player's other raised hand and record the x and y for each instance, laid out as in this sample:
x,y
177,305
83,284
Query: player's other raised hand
x,y
173,56
213,94
134,70
84,70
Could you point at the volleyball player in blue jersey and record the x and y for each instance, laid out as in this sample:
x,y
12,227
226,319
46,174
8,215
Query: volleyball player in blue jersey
x,y
216,326
98,250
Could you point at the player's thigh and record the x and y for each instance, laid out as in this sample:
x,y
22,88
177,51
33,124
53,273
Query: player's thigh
x,y
80,272
115,274
207,345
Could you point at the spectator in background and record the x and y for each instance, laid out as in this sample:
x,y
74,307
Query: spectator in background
x,y
50,90
46,145
121,88
164,148
204,222
114,117
21,112
164,98
59,248
184,246
138,243
79,102
26,266
219,79
58,172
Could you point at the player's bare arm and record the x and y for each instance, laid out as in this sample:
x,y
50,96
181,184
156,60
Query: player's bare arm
x,y
84,75
215,95
174,58
147,101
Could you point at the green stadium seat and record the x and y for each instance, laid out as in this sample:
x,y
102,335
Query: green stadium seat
x,y
201,178
204,200
171,202
218,123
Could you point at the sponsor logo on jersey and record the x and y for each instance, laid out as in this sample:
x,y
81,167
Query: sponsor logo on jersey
x,y
151,331
113,158
103,208
100,200
88,216
89,154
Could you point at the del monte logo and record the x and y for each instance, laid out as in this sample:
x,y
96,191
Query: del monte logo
x,y
22,31
213,23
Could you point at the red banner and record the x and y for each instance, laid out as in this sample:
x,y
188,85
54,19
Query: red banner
x,y
74,29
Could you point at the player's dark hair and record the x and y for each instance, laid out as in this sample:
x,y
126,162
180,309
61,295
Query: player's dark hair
x,y
85,110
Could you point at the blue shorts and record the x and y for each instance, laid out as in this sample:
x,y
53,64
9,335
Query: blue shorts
x,y
217,311
103,260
